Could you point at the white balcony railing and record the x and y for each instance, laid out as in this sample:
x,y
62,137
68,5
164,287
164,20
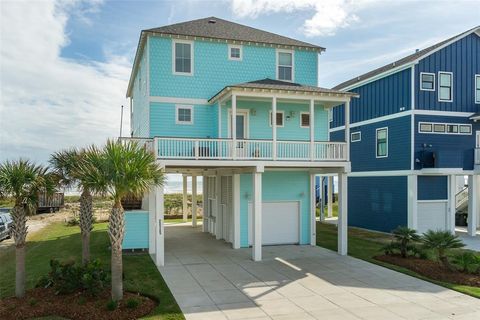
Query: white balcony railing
x,y
477,156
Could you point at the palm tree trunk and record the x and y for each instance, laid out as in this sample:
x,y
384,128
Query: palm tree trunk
x,y
19,233
86,223
116,231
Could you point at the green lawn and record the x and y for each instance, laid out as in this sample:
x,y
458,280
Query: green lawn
x,y
365,245
61,242
334,210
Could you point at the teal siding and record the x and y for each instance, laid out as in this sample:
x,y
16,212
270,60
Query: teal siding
x,y
136,230
274,189
139,126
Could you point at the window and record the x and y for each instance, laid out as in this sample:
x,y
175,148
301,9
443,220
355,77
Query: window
x,y
356,136
427,81
184,114
330,115
445,86
279,118
466,129
234,52
477,88
382,142
425,127
304,119
444,128
285,65
182,57
452,128
438,128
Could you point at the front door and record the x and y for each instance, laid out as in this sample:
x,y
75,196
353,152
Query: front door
x,y
241,131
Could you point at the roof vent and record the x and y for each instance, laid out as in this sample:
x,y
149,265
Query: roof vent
x,y
393,64
212,21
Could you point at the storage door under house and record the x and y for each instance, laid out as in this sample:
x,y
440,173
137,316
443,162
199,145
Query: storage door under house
x,y
226,197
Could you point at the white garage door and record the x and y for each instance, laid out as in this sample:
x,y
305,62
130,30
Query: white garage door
x,y
280,223
432,215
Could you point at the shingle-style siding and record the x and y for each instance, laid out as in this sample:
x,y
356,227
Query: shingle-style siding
x,y
451,151
377,203
382,97
136,230
432,187
212,69
463,59
139,124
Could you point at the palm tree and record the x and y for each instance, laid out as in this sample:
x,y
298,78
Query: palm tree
x,y
67,164
404,236
23,181
120,169
441,241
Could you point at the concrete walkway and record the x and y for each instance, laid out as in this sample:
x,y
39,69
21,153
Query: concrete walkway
x,y
212,281
472,243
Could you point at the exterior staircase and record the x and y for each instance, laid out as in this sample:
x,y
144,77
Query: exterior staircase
x,y
461,207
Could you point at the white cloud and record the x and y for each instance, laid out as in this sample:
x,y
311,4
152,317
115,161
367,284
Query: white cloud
x,y
328,15
48,102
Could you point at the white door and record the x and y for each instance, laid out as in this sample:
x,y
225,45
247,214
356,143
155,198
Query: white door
x,y
432,215
280,223
227,207
242,130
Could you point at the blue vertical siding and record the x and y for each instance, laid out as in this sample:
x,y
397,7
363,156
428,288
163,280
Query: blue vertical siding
x,y
462,58
136,230
377,203
432,187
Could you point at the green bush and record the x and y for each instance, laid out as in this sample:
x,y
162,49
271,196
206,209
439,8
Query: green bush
x,y
440,242
403,243
467,262
132,303
112,305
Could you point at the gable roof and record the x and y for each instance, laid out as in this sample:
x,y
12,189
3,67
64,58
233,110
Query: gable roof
x,y
413,58
216,28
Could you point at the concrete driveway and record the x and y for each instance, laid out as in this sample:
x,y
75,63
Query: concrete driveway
x,y
212,281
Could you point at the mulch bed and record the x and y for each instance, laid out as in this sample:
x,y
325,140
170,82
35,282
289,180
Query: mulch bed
x,y
432,269
42,302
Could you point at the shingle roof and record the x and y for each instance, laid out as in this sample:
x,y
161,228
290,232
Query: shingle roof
x,y
406,60
217,28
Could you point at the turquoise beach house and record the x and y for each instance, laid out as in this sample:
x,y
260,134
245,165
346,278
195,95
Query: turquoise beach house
x,y
202,96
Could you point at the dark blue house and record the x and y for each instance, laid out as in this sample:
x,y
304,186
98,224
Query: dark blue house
x,y
415,139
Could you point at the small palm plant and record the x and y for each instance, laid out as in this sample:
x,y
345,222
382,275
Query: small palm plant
x,y
404,237
23,181
440,242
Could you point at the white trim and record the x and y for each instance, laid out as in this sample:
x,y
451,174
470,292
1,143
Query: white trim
x,y
246,114
446,124
300,118
147,89
433,201
320,165
376,142
219,120
342,237
313,213
451,85
292,52
412,87
420,81
178,100
443,113
270,118
357,140
476,78
424,172
412,211
234,46
236,211
184,106
190,42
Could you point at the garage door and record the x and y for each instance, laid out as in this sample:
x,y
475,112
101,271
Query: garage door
x,y
280,223
432,215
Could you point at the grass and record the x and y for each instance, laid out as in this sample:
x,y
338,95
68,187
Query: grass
x,y
61,242
365,245
180,220
334,210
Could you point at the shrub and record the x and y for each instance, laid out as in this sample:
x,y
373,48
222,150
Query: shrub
x,y
402,243
132,303
467,262
94,278
112,305
440,242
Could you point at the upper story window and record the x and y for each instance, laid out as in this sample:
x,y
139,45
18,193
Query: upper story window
x,y
234,52
477,88
427,81
183,114
445,86
279,118
304,119
382,142
444,128
182,57
285,65
356,136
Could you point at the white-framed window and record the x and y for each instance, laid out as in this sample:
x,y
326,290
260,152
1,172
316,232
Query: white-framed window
x,y
280,118
356,136
445,86
304,120
183,114
465,129
381,142
425,127
477,88
235,52
427,81
444,128
285,65
182,57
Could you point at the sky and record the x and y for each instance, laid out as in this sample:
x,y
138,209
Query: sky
x,y
65,65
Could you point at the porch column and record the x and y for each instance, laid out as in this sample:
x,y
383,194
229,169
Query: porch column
x,y
185,206
234,126
204,204
218,209
473,204
257,216
219,124
159,227
194,201
274,128
151,221
312,129
330,196
342,214
313,212
347,128
412,202
452,204
236,211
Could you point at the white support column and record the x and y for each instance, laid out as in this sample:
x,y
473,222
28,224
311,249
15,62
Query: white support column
x,y
218,209
184,203
159,227
347,128
330,196
204,204
194,201
312,129
257,216
412,202
452,191
322,198
219,119
342,214
236,211
234,126
274,128
313,213
151,221
473,204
